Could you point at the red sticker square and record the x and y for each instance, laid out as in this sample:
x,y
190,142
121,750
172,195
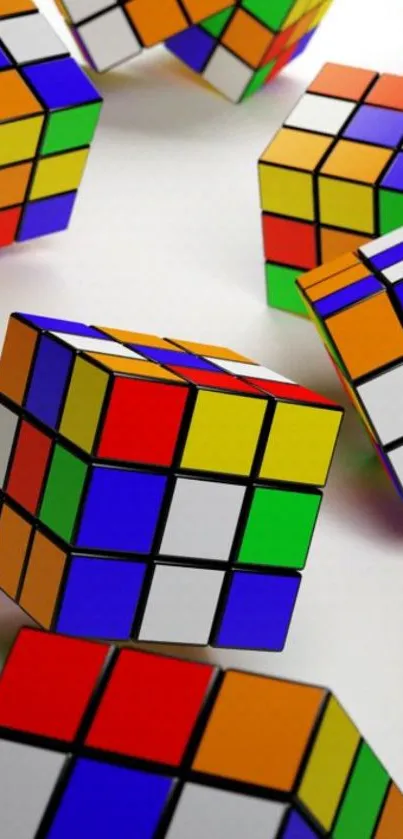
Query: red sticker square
x,y
143,421
150,707
289,242
47,683
28,467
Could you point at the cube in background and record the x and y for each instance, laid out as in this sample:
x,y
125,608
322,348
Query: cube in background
x,y
357,303
110,32
332,176
127,744
155,489
243,48
49,110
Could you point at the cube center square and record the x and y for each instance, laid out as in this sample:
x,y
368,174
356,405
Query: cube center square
x,y
49,111
331,179
155,489
357,304
236,46
124,743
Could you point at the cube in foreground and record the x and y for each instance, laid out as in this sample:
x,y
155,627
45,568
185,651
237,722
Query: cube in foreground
x,y
49,111
155,489
357,303
243,48
111,32
101,742
332,177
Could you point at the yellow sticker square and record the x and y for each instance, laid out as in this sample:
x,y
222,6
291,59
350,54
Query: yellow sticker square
x,y
223,433
346,205
300,444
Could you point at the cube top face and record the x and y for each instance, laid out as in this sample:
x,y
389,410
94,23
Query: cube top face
x,y
332,177
357,303
243,48
49,110
111,32
154,488
121,740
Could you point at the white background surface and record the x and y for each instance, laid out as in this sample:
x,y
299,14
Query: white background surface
x,y
166,239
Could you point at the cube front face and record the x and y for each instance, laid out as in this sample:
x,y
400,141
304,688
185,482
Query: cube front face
x,y
357,304
123,743
155,489
244,47
332,177
110,32
48,115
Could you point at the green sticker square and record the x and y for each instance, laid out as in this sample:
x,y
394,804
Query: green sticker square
x,y
70,129
390,210
279,528
363,798
63,493
272,14
282,290
216,24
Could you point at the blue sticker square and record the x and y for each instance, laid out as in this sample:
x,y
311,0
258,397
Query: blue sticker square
x,y
194,46
347,296
173,357
104,801
378,126
258,611
298,828
49,380
4,60
71,327
100,598
121,510
48,215
303,43
393,179
60,83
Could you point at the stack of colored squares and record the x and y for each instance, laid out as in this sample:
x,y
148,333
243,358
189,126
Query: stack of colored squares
x,y
357,303
155,489
243,48
332,177
110,32
124,744
48,114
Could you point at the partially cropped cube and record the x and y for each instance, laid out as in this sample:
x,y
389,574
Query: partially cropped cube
x,y
110,32
332,176
101,742
357,303
243,48
155,489
49,110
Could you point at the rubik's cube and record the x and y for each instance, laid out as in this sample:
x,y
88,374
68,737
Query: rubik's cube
x,y
97,741
243,48
357,304
155,489
48,114
110,32
332,177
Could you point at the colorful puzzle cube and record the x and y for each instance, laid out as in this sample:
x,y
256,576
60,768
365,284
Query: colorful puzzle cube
x,y
48,114
101,742
155,489
243,48
110,32
357,303
332,177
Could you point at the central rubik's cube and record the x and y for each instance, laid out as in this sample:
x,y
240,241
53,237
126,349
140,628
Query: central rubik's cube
x,y
332,177
243,48
49,110
155,489
100,742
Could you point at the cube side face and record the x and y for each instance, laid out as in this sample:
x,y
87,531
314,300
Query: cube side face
x,y
240,50
49,111
345,195
359,315
268,758
110,34
164,490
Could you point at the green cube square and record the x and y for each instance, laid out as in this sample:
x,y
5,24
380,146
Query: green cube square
x,y
63,491
70,129
279,528
363,798
272,14
390,210
282,291
216,24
